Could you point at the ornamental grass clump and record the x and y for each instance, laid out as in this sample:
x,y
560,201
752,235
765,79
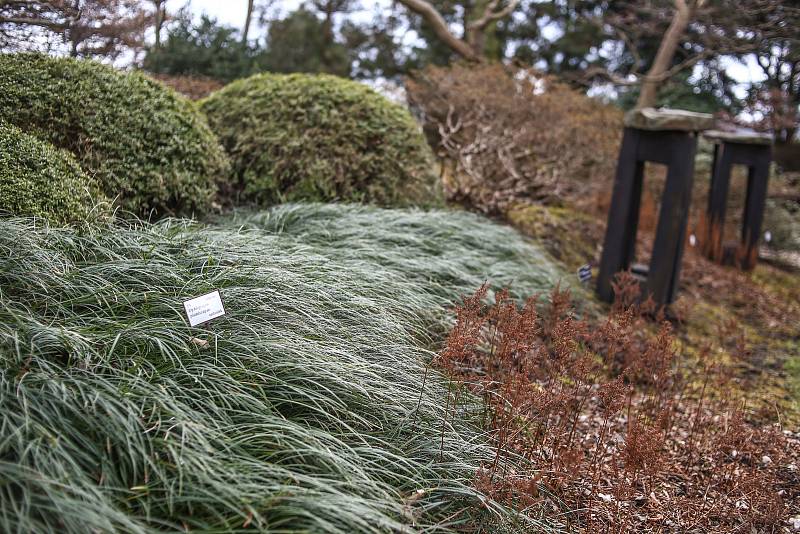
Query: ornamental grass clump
x,y
37,179
306,408
302,137
148,148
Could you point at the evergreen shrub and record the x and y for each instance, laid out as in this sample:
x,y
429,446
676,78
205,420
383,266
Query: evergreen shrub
x,y
320,138
147,147
37,179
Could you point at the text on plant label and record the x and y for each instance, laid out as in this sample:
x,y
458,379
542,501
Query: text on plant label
x,y
204,308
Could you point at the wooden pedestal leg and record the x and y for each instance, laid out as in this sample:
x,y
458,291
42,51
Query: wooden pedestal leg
x,y
623,216
665,263
757,181
717,201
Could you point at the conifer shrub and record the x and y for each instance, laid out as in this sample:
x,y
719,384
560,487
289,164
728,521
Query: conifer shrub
x,y
37,179
147,147
319,138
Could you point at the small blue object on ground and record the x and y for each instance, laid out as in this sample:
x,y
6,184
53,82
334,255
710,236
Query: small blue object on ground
x,y
585,273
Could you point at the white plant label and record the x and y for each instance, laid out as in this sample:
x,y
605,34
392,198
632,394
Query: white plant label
x,y
202,309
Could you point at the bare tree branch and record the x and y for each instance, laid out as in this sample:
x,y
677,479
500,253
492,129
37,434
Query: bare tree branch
x,y
439,27
491,14
88,28
665,54
53,25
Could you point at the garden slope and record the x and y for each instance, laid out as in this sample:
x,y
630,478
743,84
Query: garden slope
x,y
303,409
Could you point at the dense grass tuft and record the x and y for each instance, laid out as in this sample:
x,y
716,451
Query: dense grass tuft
x,y
301,410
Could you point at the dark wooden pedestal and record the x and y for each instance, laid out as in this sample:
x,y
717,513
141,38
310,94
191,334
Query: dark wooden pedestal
x,y
757,157
675,149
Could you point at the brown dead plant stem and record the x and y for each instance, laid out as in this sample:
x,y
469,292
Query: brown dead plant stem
x,y
610,421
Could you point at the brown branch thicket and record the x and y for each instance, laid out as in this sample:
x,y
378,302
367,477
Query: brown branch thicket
x,y
509,135
612,426
193,87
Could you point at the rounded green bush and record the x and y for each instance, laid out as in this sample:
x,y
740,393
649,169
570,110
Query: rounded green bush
x,y
320,138
147,147
40,180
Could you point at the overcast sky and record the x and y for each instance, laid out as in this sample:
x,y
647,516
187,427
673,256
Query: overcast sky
x,y
230,12
233,12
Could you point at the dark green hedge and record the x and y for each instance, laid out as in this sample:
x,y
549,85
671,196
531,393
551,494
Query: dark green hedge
x,y
146,146
40,180
321,138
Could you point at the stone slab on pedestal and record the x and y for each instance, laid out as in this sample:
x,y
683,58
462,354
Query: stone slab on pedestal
x,y
742,136
668,119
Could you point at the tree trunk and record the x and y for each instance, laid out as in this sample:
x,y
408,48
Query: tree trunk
x,y
247,21
159,20
655,77
789,133
71,30
482,38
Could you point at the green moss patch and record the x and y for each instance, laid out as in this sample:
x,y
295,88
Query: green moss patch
x,y
568,235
